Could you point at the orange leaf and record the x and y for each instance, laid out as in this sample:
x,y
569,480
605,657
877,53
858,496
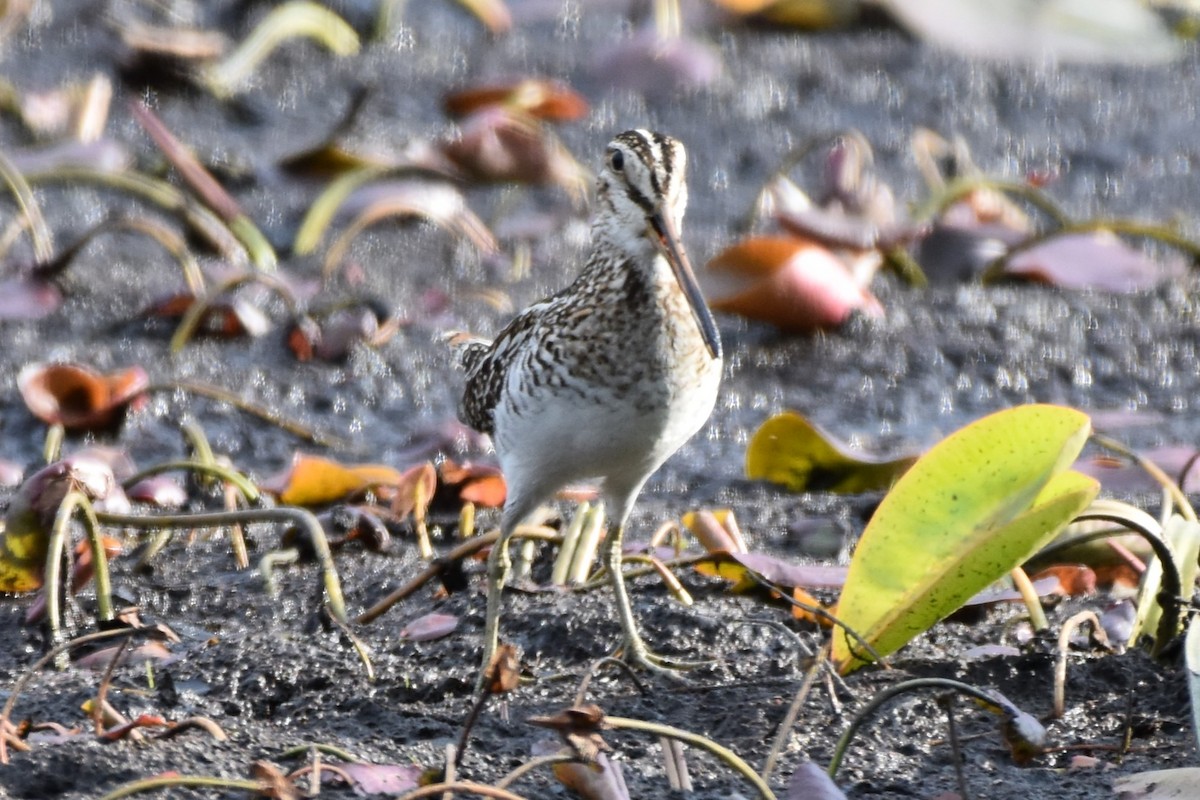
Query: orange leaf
x,y
78,396
313,481
802,596
792,283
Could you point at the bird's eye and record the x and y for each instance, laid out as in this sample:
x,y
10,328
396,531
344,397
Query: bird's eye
x,y
617,160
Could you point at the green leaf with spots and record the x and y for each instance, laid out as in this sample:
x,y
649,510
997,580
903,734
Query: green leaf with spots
x,y
971,509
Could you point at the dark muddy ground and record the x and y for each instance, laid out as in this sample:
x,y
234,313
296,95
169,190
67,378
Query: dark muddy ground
x,y
1124,142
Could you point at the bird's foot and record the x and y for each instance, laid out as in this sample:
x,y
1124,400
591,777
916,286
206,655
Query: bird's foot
x,y
636,654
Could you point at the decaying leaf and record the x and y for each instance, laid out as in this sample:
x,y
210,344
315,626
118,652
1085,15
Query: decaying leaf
x,y
503,673
25,540
331,338
429,627
225,318
1095,260
381,779
796,285
549,100
78,397
500,145
788,449
480,484
313,481
579,727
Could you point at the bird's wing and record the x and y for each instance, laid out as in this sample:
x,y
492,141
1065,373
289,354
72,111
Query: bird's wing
x,y
486,364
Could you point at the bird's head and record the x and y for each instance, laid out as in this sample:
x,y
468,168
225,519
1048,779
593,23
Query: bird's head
x,y
642,194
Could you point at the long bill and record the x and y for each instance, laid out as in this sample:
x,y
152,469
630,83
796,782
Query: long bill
x,y
668,241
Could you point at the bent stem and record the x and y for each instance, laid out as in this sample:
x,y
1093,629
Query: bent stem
x,y
263,413
1169,599
231,476
886,695
216,519
150,784
52,588
201,305
1029,596
959,188
687,737
460,786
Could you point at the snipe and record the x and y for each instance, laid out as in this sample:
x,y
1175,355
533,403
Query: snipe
x,y
608,377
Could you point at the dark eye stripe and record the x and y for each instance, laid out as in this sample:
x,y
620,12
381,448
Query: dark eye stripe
x,y
657,152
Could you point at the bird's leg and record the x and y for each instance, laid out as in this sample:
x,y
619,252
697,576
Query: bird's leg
x,y
499,567
634,649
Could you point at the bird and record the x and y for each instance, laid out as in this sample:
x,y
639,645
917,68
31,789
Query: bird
x,y
605,379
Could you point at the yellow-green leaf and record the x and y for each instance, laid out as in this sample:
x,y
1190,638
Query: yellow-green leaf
x,y
790,450
975,506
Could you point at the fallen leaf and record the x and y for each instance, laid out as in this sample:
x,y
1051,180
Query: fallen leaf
x,y
796,285
810,782
977,504
790,450
503,145
429,627
313,481
1160,784
1096,260
389,779
480,484
29,519
28,298
549,100
79,397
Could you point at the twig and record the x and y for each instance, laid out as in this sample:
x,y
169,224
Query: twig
x,y
789,719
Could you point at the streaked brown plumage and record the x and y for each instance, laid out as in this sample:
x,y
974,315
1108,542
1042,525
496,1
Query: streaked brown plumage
x,y
608,377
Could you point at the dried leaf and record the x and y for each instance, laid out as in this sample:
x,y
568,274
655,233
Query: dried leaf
x,y
313,481
429,627
503,673
1096,260
810,782
389,779
273,783
796,285
716,530
579,727
28,299
501,145
480,484
549,100
79,397
1073,579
